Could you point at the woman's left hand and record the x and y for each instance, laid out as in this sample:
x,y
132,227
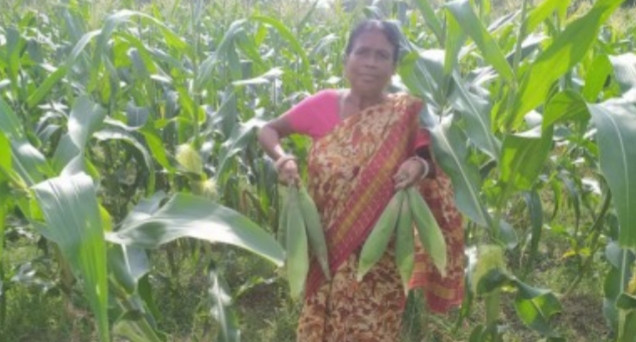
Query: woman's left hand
x,y
410,172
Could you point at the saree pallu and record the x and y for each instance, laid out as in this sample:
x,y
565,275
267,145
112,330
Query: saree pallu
x,y
350,179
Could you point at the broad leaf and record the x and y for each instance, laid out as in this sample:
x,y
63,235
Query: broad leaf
x,y
565,106
542,12
139,150
466,17
36,97
596,77
70,207
431,19
423,73
476,112
9,123
535,211
522,158
28,162
616,137
568,48
222,309
86,117
191,216
536,306
450,151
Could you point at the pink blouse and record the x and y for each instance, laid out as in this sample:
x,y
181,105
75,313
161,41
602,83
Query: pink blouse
x,y
318,114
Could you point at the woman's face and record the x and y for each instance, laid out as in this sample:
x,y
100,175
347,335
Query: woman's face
x,y
370,65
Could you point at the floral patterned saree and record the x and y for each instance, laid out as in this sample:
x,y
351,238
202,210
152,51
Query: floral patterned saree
x,y
350,172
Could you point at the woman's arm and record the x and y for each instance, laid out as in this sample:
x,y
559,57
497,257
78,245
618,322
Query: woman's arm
x,y
269,137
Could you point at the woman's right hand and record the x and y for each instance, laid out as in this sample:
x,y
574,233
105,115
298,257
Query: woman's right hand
x,y
288,172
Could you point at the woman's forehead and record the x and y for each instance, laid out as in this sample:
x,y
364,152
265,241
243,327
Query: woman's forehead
x,y
372,38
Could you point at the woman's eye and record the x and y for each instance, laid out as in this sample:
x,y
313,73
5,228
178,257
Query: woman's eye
x,y
362,52
383,56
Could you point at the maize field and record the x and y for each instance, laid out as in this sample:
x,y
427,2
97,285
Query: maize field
x,y
137,205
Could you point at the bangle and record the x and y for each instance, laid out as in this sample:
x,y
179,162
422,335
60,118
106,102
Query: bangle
x,y
282,161
424,163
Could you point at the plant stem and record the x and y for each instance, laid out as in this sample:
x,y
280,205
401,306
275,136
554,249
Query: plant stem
x,y
596,228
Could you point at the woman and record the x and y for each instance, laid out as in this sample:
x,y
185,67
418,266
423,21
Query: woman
x,y
366,144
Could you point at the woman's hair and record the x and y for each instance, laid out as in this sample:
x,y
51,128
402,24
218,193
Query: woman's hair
x,y
390,31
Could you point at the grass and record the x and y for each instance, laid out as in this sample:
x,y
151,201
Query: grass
x,y
265,310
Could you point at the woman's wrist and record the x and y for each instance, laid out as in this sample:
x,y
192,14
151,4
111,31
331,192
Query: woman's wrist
x,y
282,160
426,168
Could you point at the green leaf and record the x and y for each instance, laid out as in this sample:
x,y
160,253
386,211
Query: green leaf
x,y
542,12
423,73
567,49
28,162
535,211
450,152
69,204
596,77
190,216
86,117
222,309
4,207
157,149
135,328
508,235
237,142
535,307
455,39
46,86
476,112
430,18
224,51
616,137
9,123
298,49
139,150
129,265
522,158
473,27
565,106
5,155
627,328
626,301
488,270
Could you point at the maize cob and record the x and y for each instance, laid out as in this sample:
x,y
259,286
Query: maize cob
x,y
282,218
380,236
315,231
429,232
296,245
404,244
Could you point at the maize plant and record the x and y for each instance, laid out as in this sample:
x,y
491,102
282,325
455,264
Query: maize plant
x,y
130,170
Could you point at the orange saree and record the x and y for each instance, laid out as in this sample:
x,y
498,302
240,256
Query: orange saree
x,y
350,172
